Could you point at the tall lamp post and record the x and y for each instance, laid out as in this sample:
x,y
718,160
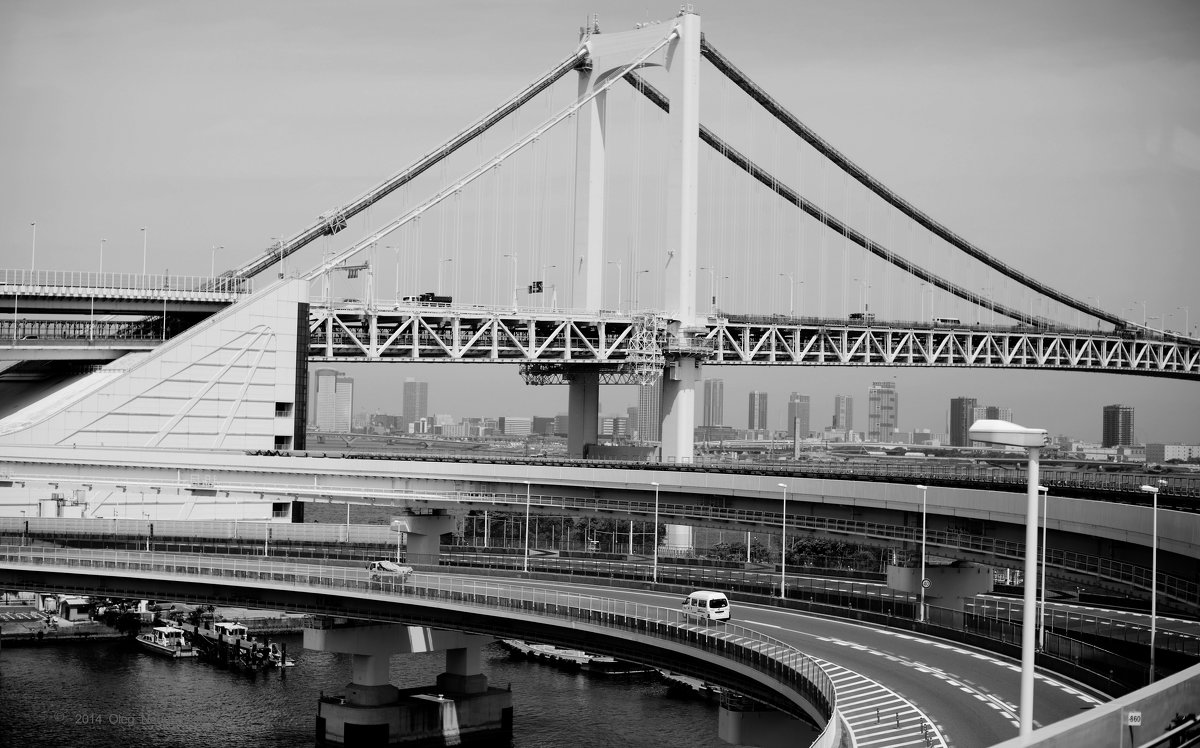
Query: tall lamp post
x,y
1012,435
783,548
1042,606
618,264
525,566
924,492
654,531
513,256
144,240
791,293
1153,491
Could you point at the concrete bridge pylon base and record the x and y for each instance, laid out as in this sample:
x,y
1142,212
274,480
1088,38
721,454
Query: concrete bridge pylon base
x,y
460,709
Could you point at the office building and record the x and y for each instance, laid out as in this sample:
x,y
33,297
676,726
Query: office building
x,y
714,403
798,415
990,413
843,413
334,400
561,424
757,418
649,421
515,425
1118,426
883,411
416,400
962,415
1164,452
543,425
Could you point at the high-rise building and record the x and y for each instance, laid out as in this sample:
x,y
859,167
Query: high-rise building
x,y
1118,425
714,403
962,415
883,411
334,401
416,400
516,425
798,415
649,423
757,418
561,424
843,413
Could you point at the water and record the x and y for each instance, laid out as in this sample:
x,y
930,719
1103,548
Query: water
x,y
114,693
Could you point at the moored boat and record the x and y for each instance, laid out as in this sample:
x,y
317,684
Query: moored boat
x,y
167,641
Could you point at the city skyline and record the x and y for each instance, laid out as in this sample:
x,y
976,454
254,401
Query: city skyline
x,y
1079,123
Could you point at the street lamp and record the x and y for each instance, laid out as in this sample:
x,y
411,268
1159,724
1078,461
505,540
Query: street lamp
x,y
102,256
712,299
1012,435
1042,624
654,532
144,239
618,264
525,566
513,256
791,293
33,248
439,280
924,493
783,548
637,276
1153,491
212,263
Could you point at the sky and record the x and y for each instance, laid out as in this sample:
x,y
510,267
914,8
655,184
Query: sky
x,y
1062,137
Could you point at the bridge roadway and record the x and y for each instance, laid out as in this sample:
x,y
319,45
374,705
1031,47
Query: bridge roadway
x,y
890,686
969,523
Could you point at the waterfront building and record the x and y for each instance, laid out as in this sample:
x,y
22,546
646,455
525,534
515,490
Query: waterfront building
x,y
334,401
798,416
516,425
415,399
561,422
543,425
1165,452
649,407
1118,425
962,415
714,403
843,413
883,409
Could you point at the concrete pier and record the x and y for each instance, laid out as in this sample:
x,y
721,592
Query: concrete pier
x,y
459,709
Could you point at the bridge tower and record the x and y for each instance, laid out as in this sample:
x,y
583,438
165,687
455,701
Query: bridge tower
x,y
608,55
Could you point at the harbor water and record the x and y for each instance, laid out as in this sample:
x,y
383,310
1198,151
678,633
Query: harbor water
x,y
112,693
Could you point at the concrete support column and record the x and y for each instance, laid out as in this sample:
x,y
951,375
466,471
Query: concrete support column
x,y
683,171
463,673
679,410
583,411
424,533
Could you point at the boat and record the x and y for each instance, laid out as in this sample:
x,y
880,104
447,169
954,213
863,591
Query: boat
x,y
277,657
167,641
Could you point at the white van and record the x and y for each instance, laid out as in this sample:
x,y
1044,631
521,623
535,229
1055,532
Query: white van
x,y
708,604
389,570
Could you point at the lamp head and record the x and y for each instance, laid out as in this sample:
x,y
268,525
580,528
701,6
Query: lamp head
x,y
922,487
781,485
1150,489
1008,434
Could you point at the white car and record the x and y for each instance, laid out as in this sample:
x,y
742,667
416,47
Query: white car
x,y
389,570
708,604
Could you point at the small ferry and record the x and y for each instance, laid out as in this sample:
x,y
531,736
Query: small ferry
x,y
167,641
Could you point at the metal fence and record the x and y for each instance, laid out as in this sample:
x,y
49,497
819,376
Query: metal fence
x,y
148,285
792,671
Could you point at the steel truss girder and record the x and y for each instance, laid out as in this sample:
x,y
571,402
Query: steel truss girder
x,y
617,344
832,345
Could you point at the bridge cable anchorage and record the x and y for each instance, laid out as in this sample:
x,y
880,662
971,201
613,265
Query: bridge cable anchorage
x,y
328,224
825,217
490,164
752,89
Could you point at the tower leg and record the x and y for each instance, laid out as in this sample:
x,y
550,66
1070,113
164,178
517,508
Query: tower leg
x,y
583,411
679,410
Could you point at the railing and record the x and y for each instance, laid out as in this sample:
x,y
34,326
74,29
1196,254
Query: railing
x,y
790,669
36,281
38,331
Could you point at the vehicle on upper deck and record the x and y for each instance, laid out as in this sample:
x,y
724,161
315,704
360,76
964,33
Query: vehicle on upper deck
x,y
429,298
946,322
864,318
708,604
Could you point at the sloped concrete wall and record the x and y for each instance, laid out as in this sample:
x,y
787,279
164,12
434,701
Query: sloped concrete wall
x,y
214,386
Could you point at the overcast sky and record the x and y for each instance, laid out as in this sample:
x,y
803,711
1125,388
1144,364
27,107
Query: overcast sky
x,y
1063,137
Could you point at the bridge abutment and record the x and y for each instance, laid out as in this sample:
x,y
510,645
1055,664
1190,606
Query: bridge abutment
x,y
583,411
459,709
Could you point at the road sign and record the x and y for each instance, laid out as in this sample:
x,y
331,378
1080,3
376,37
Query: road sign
x,y
1133,719
925,583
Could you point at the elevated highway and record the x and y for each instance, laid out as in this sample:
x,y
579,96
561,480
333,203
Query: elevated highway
x,y
970,523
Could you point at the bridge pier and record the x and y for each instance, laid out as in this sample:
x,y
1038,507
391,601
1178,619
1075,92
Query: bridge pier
x,y
763,728
424,532
583,411
460,709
